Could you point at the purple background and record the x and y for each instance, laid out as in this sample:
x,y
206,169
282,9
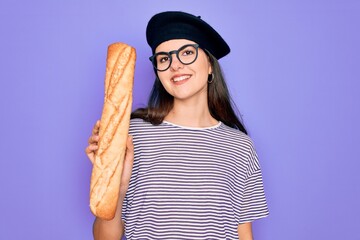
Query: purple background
x,y
293,71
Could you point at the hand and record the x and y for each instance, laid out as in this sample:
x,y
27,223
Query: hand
x,y
128,161
93,142
128,165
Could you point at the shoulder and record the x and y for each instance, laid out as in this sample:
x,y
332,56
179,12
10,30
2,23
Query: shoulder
x,y
138,124
245,148
239,142
236,137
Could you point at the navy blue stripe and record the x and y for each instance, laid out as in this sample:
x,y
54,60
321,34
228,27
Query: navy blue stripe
x,y
191,183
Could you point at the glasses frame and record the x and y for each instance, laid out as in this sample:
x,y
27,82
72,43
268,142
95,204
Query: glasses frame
x,y
176,52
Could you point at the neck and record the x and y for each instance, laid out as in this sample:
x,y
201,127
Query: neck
x,y
191,114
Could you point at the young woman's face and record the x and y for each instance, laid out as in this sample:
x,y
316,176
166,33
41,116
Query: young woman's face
x,y
180,80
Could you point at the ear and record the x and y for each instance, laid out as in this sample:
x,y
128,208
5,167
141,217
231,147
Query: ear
x,y
210,70
210,66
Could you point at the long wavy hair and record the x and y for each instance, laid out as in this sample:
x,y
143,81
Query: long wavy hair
x,y
221,106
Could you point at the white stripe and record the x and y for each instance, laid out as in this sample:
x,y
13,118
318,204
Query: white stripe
x,y
191,183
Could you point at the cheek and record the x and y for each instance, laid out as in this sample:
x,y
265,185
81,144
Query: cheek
x,y
204,65
203,70
162,77
164,80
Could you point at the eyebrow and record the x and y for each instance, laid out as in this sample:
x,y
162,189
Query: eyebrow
x,y
189,43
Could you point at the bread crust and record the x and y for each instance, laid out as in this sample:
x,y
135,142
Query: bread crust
x,y
114,128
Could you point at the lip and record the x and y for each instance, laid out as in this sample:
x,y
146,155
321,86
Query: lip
x,y
179,78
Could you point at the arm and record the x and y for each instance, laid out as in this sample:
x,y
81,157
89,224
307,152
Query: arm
x,y
245,231
113,229
109,230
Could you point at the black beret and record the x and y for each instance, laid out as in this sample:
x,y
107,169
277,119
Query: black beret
x,y
180,25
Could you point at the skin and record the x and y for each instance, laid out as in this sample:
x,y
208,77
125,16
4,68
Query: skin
x,y
113,229
190,109
190,95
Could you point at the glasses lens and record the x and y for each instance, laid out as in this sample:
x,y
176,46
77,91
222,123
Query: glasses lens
x,y
161,61
187,54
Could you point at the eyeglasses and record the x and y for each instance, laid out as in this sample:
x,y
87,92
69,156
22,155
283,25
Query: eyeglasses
x,y
187,54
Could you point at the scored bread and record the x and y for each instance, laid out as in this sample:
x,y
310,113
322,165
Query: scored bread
x,y
113,133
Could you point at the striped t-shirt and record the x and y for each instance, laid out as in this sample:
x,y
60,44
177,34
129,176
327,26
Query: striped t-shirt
x,y
191,183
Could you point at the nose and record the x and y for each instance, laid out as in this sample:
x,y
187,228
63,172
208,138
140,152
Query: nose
x,y
175,63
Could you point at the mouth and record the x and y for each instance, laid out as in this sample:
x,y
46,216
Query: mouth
x,y
180,78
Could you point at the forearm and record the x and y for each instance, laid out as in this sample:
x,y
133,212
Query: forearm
x,y
245,231
109,230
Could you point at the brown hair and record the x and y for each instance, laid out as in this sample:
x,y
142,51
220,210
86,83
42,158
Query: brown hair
x,y
220,103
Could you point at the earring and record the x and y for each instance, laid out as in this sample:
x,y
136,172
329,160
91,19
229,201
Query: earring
x,y
211,79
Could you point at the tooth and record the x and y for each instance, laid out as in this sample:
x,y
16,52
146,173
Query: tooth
x,y
180,78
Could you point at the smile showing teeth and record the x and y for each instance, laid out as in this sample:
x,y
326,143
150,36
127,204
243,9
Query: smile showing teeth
x,y
181,78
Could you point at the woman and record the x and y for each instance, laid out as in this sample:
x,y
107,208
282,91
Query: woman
x,y
190,172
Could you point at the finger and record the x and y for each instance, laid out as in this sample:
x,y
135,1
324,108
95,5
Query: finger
x,y
90,153
96,128
129,157
129,160
94,139
129,143
91,149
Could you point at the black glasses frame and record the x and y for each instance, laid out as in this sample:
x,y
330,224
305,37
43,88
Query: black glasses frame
x,y
176,52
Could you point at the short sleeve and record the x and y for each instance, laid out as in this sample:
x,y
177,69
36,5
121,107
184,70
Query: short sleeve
x,y
123,211
250,203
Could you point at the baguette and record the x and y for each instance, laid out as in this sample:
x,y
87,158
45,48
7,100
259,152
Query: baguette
x,y
113,133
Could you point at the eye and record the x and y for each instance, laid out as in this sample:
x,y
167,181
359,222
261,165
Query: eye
x,y
162,59
187,52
